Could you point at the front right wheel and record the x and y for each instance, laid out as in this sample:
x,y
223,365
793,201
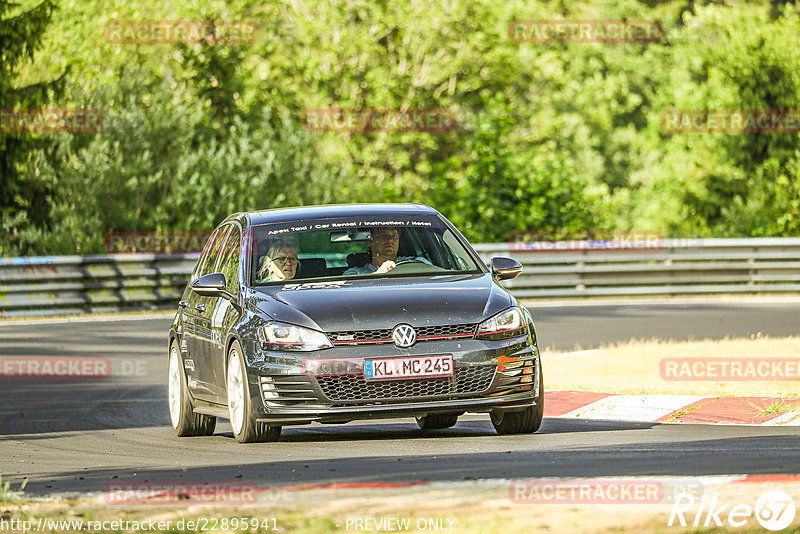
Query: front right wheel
x,y
245,428
184,421
435,422
525,421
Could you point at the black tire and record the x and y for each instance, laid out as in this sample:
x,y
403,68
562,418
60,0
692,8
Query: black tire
x,y
434,422
525,421
251,431
184,421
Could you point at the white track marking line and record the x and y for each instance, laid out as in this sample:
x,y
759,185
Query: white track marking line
x,y
785,419
634,407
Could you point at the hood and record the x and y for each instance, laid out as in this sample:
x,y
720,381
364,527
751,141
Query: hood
x,y
367,304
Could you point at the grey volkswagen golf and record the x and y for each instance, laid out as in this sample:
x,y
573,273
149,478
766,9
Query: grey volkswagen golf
x,y
347,312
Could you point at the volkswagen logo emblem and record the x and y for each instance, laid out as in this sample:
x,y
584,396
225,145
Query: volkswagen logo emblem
x,y
404,335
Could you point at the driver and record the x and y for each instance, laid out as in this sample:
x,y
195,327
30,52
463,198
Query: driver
x,y
383,247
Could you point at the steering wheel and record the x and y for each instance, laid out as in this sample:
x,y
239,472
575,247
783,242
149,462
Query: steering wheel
x,y
409,270
410,260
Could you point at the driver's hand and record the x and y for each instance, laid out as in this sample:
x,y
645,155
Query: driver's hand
x,y
386,266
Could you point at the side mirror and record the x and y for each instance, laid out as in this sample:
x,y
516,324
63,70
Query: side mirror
x,y
505,268
210,285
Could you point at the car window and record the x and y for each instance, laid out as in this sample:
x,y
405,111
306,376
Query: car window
x,y
210,260
229,262
342,247
203,255
460,257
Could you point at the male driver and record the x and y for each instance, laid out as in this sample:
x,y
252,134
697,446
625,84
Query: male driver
x,y
383,247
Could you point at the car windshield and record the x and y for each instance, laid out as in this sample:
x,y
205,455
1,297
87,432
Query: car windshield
x,y
356,247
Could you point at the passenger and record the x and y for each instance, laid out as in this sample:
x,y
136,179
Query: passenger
x,y
280,262
383,247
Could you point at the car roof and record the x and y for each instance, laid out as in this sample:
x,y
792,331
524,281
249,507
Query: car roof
x,y
336,210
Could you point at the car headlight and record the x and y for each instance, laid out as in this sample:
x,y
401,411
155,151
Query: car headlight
x,y
506,324
282,336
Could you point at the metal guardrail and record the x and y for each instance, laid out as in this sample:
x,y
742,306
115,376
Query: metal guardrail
x,y
77,284
85,284
672,267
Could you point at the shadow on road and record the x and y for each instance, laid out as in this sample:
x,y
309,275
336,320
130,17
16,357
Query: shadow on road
x,y
658,457
41,407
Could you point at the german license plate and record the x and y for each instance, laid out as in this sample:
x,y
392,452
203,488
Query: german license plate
x,y
412,367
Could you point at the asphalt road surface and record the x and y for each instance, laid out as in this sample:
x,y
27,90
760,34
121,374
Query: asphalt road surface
x,y
81,435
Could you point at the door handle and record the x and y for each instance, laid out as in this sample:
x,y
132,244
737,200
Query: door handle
x,y
200,307
184,304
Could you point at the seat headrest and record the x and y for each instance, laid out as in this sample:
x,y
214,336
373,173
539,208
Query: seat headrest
x,y
357,259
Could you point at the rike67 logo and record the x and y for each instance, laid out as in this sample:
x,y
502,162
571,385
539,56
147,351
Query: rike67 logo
x,y
774,510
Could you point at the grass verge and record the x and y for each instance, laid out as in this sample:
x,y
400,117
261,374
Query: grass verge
x,y
635,367
462,508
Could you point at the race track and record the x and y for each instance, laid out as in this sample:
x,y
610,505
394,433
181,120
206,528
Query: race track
x,y
81,435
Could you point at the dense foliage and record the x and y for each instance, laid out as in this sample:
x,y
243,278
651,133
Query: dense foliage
x,y
21,201
550,136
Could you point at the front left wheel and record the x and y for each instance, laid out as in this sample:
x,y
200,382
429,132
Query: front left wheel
x,y
245,428
184,421
525,421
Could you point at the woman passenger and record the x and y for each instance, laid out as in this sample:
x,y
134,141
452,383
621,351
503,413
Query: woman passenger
x,y
280,263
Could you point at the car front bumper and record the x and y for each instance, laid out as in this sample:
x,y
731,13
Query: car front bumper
x,y
501,375
290,416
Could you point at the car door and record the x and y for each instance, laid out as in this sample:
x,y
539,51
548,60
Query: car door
x,y
222,314
189,345
200,311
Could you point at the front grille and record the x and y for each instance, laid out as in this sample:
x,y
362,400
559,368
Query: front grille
x,y
467,380
445,332
352,337
384,335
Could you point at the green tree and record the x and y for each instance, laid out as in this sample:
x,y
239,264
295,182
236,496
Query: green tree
x,y
21,34
137,173
493,191
739,184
